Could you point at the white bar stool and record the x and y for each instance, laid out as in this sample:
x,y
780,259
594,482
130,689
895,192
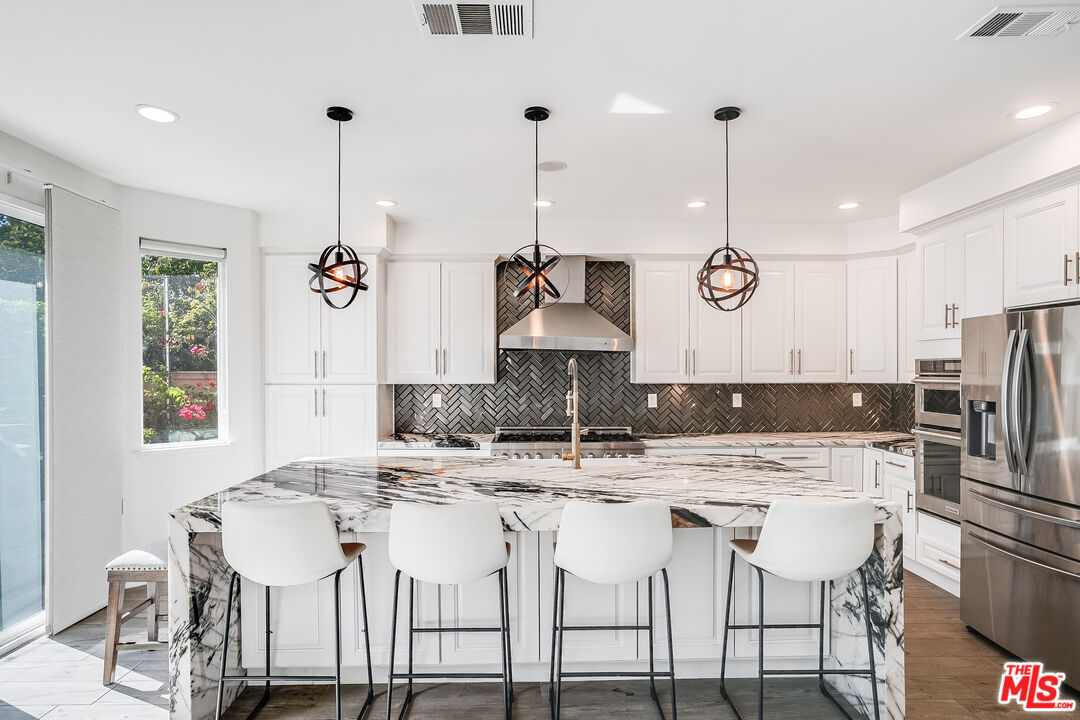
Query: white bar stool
x,y
610,544
284,544
448,545
806,540
145,564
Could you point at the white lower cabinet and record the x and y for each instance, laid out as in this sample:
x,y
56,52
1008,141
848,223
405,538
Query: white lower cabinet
x,y
846,466
319,420
937,546
899,486
873,474
813,460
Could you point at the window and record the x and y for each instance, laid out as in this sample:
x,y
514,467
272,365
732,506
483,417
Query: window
x,y
22,422
181,318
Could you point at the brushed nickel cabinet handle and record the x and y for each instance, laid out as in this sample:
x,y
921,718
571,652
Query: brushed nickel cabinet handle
x,y
436,361
686,361
795,457
315,363
324,363
909,504
693,362
899,465
324,402
943,561
1067,261
316,391
800,361
877,473
946,315
852,362
955,322
791,362
1077,267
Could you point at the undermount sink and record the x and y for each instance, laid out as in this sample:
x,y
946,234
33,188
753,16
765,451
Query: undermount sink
x,y
585,462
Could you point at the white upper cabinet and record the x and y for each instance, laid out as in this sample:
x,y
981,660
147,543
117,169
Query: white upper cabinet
x,y
980,246
941,279
468,323
1042,249
678,338
908,308
769,326
440,322
820,330
872,320
306,340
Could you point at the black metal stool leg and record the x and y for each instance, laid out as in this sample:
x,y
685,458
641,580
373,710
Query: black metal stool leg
x,y
670,645
337,645
507,639
821,643
554,631
367,640
870,641
393,638
761,645
225,648
727,623
412,626
561,599
507,700
652,640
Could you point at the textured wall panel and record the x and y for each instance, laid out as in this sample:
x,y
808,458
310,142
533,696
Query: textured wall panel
x,y
531,388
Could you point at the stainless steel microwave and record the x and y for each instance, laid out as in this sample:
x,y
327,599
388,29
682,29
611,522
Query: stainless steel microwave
x,y
937,394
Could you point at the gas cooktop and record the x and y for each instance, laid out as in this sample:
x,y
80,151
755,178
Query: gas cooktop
x,y
553,442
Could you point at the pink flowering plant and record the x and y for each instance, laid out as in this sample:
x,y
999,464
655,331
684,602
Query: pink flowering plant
x,y
180,363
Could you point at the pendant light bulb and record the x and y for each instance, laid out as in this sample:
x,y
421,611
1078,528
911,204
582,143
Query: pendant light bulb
x,y
727,279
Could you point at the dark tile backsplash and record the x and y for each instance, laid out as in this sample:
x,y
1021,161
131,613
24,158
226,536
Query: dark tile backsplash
x,y
531,386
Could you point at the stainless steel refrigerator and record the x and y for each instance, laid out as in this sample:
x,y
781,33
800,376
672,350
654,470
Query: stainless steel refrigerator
x,y
1020,493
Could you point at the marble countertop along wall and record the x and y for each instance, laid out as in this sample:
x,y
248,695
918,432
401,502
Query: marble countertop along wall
x,y
703,490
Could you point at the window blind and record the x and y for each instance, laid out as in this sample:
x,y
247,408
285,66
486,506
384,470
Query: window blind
x,y
180,250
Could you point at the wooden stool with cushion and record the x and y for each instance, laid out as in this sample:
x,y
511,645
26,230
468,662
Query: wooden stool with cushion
x,y
144,564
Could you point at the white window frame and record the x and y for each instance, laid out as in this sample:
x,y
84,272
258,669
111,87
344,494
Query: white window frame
x,y
149,246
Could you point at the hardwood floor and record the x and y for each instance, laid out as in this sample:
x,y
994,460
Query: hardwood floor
x,y
952,674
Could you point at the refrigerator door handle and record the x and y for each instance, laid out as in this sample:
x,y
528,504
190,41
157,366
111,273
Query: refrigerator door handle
x,y
1006,376
1034,514
1021,433
1042,566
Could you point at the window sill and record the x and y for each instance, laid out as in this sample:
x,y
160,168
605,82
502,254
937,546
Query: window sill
x,y
197,445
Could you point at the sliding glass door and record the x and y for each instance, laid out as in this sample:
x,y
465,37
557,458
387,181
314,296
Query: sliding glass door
x,y
22,422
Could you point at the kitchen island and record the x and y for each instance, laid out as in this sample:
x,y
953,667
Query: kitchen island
x,y
713,498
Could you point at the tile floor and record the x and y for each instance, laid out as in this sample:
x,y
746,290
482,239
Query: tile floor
x,y
951,675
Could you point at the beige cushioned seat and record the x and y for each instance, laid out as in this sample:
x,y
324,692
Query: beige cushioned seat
x,y
151,556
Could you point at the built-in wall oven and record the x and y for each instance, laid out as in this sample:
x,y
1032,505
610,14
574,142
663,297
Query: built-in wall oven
x,y
937,437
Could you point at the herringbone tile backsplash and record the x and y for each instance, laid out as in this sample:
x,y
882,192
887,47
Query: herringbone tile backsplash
x,y
531,386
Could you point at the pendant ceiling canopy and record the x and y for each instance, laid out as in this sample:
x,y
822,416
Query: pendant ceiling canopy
x,y
730,275
339,269
535,262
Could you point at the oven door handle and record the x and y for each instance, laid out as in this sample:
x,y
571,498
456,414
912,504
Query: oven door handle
x,y
1034,514
1021,558
932,435
1006,393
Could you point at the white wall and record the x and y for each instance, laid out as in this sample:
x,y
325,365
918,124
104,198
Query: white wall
x,y
880,235
160,479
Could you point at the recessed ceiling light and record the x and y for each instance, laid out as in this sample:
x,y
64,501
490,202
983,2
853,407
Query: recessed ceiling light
x,y
157,114
386,203
697,203
1033,112
544,203
848,205
551,166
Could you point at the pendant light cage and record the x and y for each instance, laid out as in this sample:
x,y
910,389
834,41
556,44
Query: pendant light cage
x,y
536,261
730,275
339,269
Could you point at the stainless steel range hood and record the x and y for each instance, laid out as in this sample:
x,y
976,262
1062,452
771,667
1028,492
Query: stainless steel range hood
x,y
569,324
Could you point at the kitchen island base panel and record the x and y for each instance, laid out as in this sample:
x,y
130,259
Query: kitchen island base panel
x,y
703,493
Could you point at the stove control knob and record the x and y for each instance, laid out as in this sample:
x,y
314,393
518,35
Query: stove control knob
x,y
618,455
515,456
556,456
607,455
590,455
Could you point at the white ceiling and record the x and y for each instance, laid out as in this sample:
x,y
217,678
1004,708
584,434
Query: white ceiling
x,y
843,99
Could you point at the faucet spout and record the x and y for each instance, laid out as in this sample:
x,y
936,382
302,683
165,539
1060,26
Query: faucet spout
x,y
572,411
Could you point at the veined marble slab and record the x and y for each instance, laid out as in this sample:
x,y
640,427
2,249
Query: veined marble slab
x,y
702,490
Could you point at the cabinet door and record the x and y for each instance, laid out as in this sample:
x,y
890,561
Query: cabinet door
x,y
661,322
715,342
468,323
348,349
292,426
768,326
873,474
981,249
1041,247
291,321
908,308
820,326
871,321
476,604
846,467
301,624
413,343
348,415
938,257
901,490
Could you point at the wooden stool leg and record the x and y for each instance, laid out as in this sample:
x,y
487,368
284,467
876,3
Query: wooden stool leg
x,y
112,628
152,612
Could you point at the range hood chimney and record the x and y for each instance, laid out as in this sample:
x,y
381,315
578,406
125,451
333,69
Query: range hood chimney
x,y
569,324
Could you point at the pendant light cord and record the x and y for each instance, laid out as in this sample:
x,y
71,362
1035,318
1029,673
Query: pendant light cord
x,y
339,183
536,181
727,188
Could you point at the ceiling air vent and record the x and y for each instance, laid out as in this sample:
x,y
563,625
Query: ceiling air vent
x,y
510,19
1045,21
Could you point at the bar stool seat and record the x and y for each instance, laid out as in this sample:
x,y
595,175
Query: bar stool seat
x,y
145,564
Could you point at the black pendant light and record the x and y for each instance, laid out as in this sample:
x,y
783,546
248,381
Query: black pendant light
x,y
339,269
529,259
729,277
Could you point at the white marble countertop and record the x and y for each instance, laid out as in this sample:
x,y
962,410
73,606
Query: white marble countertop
x,y
703,490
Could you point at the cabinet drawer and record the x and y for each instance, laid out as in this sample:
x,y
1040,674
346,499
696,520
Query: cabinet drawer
x,y
902,465
938,545
797,456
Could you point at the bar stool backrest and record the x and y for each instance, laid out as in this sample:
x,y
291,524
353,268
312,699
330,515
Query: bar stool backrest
x,y
448,544
614,542
812,539
281,544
